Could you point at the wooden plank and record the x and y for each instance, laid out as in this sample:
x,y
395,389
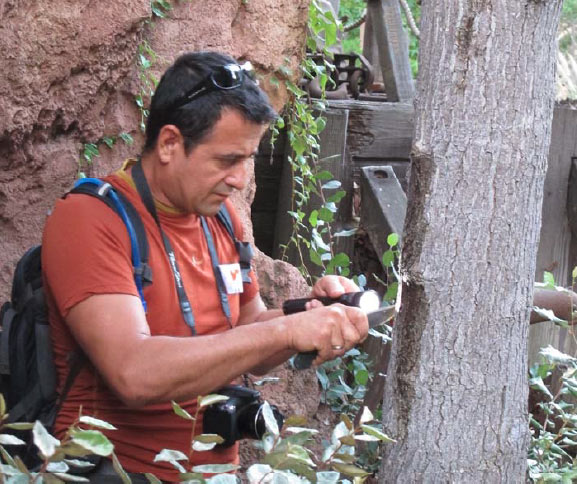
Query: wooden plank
x,y
378,130
393,46
556,245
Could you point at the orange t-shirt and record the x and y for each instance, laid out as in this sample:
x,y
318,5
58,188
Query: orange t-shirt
x,y
86,251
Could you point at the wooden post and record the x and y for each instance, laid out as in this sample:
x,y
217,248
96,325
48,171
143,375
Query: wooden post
x,y
557,248
393,47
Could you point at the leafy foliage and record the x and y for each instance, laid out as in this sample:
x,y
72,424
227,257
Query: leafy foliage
x,y
59,459
554,435
303,120
90,151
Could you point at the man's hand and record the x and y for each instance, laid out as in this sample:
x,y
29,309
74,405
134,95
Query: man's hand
x,y
330,330
333,286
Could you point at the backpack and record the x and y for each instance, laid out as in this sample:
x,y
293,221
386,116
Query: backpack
x,y
28,379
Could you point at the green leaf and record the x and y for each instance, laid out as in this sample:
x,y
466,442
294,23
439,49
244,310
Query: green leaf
x,y
7,457
549,315
222,479
127,138
152,478
209,439
94,422
257,472
269,420
347,440
549,279
19,426
80,464
44,441
345,233
392,291
326,215
332,185
172,457
203,447
337,196
211,399
388,258
313,218
108,141
350,470
181,412
553,355
367,438
393,239
120,470
2,406
315,258
362,377
324,175
62,476
341,259
345,458
7,439
366,416
538,384
94,441
377,433
215,468
328,477
295,421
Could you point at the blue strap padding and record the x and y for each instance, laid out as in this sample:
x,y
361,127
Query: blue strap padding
x,y
106,190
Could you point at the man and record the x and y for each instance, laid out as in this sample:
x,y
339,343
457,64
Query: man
x,y
206,120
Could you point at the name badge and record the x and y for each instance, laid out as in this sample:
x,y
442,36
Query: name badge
x,y
232,278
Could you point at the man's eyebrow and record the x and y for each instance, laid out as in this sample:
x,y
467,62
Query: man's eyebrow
x,y
234,156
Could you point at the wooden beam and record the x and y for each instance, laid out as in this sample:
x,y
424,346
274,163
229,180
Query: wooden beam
x,y
383,205
393,47
378,130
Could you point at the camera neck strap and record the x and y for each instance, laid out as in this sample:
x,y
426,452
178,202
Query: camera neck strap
x,y
186,309
146,196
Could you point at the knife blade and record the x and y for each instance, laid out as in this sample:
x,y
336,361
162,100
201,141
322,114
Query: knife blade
x,y
304,360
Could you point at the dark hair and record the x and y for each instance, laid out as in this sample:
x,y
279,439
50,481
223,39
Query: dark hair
x,y
196,119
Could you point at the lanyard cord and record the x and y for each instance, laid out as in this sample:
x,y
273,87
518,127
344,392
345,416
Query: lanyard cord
x,y
217,274
146,196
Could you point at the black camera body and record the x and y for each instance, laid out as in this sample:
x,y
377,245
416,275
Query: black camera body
x,y
239,417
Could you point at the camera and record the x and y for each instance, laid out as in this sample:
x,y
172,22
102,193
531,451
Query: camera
x,y
239,417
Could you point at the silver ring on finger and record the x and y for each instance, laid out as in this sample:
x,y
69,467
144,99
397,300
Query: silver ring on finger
x,y
337,347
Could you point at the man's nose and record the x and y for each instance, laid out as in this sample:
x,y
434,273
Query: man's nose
x,y
236,176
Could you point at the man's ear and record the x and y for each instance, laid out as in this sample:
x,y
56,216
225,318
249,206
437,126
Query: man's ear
x,y
169,143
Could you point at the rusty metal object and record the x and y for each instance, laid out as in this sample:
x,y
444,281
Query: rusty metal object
x,y
352,75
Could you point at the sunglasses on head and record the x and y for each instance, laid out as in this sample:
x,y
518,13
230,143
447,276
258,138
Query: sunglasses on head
x,y
229,76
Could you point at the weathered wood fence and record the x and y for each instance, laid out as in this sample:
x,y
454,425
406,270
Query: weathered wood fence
x,y
361,134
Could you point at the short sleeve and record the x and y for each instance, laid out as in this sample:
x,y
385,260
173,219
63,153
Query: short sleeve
x,y
85,252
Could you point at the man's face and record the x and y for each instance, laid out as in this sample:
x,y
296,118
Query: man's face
x,y
202,180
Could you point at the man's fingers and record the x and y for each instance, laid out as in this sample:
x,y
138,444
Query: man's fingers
x,y
333,286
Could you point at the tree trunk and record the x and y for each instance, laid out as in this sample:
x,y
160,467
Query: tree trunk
x,y
456,392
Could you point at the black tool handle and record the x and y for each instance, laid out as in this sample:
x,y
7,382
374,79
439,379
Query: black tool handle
x,y
302,361
292,306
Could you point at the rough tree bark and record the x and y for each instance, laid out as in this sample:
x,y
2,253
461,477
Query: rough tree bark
x,y
456,392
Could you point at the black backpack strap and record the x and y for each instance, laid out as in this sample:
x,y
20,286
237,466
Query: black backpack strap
x,y
101,190
244,249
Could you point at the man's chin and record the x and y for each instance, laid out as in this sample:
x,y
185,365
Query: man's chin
x,y
209,210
